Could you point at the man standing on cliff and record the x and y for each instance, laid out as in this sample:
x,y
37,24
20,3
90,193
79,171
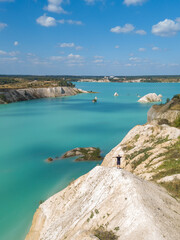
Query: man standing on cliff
x,y
118,160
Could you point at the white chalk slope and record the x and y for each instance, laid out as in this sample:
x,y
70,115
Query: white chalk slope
x,y
113,198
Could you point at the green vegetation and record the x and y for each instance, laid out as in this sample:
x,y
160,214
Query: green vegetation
x,y
136,153
177,96
26,81
177,122
2,97
116,228
87,155
96,211
19,82
136,137
92,215
140,160
163,121
102,234
173,187
41,201
170,166
160,140
167,100
128,147
148,79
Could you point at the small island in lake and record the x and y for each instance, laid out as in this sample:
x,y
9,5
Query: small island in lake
x,y
85,154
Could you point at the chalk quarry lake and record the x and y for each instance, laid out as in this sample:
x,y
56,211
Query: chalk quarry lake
x,y
32,131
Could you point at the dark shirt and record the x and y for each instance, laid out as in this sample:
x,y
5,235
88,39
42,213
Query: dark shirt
x,y
118,160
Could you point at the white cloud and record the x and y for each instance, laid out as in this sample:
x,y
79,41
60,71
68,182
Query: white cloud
x,y
56,58
16,43
7,59
141,32
12,54
74,59
31,54
70,59
54,6
134,59
2,26
174,64
74,22
89,1
166,28
96,57
38,61
125,29
69,45
73,56
69,21
46,21
142,49
78,47
155,48
133,2
2,52
98,61
50,21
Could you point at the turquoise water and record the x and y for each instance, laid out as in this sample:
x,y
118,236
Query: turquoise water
x,y
34,130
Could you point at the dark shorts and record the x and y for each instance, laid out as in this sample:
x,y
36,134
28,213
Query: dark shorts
x,y
118,161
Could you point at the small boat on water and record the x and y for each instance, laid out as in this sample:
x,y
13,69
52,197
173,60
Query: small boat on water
x,y
94,100
116,94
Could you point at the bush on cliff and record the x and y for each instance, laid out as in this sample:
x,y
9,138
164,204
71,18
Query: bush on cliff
x,y
177,122
103,234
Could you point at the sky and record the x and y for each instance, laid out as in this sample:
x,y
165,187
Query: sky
x,y
90,37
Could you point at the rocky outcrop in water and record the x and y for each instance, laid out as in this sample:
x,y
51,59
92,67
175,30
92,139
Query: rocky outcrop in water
x,y
151,97
16,95
85,154
168,112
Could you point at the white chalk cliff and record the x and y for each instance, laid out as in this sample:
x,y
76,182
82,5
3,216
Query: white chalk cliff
x,y
112,198
151,97
15,95
169,111
144,148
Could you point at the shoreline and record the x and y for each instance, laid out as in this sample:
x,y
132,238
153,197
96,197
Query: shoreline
x,y
17,95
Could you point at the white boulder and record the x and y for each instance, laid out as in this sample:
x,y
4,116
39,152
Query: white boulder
x,y
151,97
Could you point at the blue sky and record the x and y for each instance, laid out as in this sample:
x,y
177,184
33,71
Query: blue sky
x,y
90,37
